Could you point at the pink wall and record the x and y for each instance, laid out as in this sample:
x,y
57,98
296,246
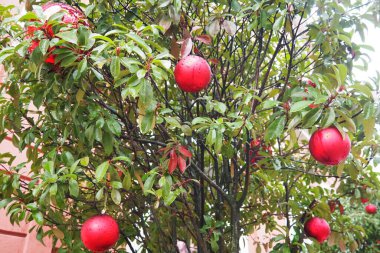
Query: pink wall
x,y
16,239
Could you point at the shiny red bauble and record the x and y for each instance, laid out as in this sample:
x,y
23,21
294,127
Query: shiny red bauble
x,y
192,73
328,147
371,209
99,233
71,16
317,228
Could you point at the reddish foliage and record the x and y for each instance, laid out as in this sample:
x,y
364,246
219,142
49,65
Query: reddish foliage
x,y
184,151
34,45
181,164
332,205
364,200
341,208
257,147
310,83
30,31
312,106
173,161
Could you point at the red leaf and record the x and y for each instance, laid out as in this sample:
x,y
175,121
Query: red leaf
x,y
332,205
310,83
341,208
174,48
181,164
186,34
173,161
214,61
312,106
30,31
186,47
35,43
364,200
185,152
50,59
204,39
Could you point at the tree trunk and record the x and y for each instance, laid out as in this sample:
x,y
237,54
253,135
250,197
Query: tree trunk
x,y
235,234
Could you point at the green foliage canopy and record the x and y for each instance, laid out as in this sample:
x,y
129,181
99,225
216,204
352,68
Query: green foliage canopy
x,y
107,113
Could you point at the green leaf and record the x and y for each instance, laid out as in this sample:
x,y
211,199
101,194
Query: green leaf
x,y
220,107
148,184
235,5
368,110
73,188
84,161
363,89
83,37
294,122
298,106
145,95
82,67
173,121
329,118
107,141
369,127
114,126
139,41
344,38
275,128
101,37
322,210
116,196
270,103
147,122
38,217
100,194
127,181
218,141
211,137
122,158
70,36
29,16
44,46
311,117
116,184
5,202
347,121
53,189
168,199
115,67
89,9
69,60
74,166
279,23
101,171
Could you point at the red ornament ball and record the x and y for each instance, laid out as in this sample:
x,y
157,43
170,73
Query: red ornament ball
x,y
371,209
317,228
99,233
192,73
328,147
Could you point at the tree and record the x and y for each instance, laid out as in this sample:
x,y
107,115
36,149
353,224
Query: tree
x,y
99,100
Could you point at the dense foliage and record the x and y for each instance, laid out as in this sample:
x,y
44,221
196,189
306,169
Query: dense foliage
x,y
95,106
